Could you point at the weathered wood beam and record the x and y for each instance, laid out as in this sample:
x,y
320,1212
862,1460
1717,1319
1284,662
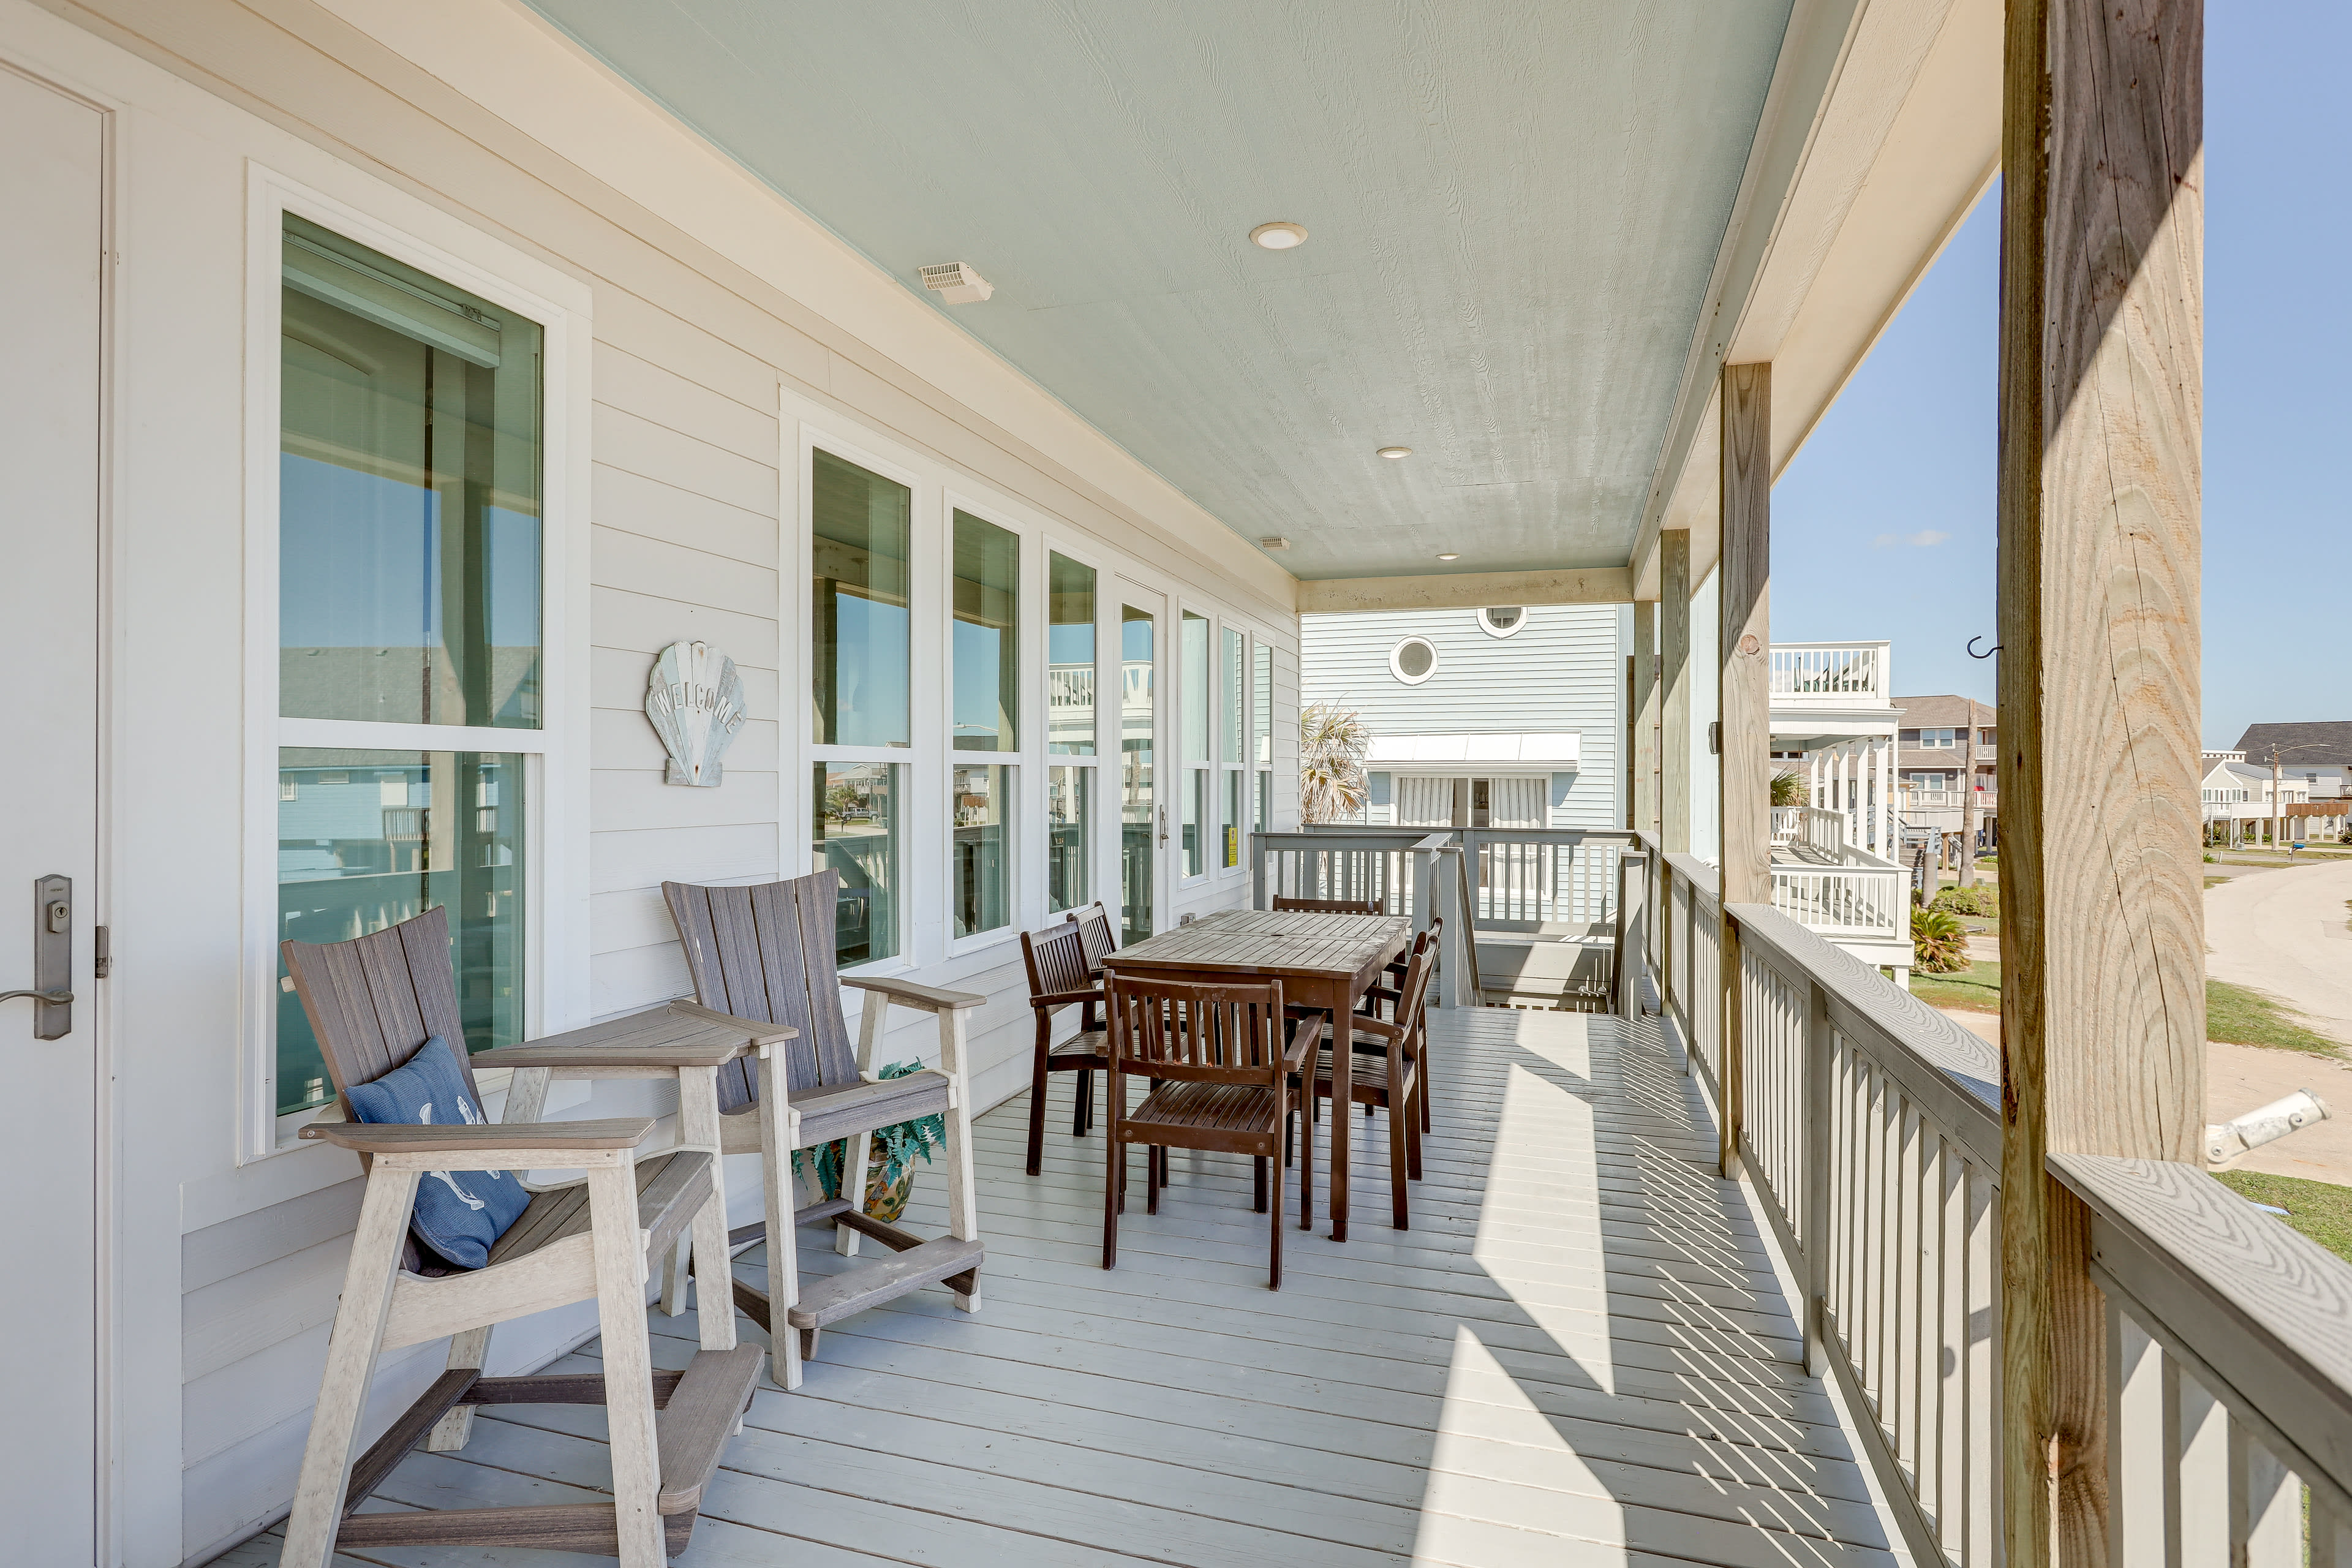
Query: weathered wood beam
x,y
1643,796
1465,590
2103,1013
1675,691
1744,700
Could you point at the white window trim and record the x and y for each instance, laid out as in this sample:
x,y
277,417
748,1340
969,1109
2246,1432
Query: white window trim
x,y
1237,762
807,429
1397,668
1028,719
1492,630
556,842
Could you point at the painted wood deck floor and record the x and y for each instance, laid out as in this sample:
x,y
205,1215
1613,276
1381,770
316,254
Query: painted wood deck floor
x,y
1578,1353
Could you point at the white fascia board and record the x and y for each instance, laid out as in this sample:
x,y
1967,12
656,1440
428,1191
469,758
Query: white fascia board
x,y
521,67
1507,750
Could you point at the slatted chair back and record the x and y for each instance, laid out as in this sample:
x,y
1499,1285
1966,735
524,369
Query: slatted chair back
x,y
765,952
373,1001
1330,906
1057,960
1414,993
1174,1029
1096,933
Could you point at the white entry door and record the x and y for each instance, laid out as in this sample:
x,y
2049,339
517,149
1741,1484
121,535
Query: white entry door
x,y
52,191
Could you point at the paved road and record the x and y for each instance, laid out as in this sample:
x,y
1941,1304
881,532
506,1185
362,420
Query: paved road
x,y
2283,931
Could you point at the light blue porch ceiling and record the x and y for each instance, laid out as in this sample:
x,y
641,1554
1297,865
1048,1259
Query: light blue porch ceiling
x,y
1514,212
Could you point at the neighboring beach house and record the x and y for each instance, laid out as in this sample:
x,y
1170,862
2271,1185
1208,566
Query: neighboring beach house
x,y
1506,715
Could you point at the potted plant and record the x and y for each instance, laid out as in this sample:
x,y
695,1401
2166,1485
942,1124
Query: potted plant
x,y
889,1159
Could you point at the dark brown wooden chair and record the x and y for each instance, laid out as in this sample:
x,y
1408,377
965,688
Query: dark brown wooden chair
x,y
1387,1074
1097,935
1423,940
373,1002
1222,1067
1059,980
764,955
1331,905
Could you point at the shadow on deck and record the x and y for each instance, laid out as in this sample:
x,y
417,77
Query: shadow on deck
x,y
1581,1347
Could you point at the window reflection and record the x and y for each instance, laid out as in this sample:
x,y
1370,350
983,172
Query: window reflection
x,y
1070,658
858,529
856,834
979,884
985,635
1137,827
1069,821
367,840
408,494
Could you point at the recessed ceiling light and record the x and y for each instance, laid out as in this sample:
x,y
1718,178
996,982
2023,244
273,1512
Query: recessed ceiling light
x,y
1395,452
1278,236
1450,557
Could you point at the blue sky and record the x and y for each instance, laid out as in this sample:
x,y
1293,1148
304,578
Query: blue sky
x,y
1884,525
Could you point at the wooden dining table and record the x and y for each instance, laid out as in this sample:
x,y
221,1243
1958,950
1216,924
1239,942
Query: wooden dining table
x,y
1325,961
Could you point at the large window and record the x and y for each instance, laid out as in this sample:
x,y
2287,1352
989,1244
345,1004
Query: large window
x,y
1070,684
1199,721
856,834
858,529
1137,788
408,559
1262,729
1233,672
984,635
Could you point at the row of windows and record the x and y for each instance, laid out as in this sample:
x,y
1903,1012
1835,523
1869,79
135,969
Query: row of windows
x,y
1949,737
862,533
409,560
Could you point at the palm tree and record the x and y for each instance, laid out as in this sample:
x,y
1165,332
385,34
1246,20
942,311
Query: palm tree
x,y
1332,741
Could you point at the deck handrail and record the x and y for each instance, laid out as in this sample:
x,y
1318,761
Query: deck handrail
x,y
1869,1128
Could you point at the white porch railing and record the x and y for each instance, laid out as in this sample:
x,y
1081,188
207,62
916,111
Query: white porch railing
x,y
1848,901
1870,1125
1829,675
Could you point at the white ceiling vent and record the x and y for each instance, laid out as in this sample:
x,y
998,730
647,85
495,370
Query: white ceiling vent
x,y
957,283
1273,542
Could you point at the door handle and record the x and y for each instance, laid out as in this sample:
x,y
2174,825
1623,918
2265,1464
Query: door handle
x,y
1163,825
52,991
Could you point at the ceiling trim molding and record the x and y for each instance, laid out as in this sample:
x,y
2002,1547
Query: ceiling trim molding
x,y
1464,591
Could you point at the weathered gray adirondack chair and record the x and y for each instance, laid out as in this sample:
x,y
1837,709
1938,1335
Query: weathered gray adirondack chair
x,y
764,955
373,1002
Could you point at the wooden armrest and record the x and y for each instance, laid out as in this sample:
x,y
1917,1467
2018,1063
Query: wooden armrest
x,y
401,1138
761,1034
1304,1044
675,1033
929,998
1381,1026
1063,998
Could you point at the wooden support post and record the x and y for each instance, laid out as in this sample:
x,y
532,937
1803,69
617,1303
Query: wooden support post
x,y
2103,1008
1744,754
1646,717
1675,691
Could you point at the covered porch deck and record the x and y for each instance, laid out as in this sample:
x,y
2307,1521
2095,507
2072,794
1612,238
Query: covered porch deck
x,y
1581,1346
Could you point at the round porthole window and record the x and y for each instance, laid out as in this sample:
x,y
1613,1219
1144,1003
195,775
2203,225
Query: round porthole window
x,y
1502,620
1413,660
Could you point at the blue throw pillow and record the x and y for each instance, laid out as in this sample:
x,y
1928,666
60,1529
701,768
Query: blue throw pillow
x,y
459,1213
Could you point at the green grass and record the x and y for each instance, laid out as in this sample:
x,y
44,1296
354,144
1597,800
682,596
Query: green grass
x,y
2233,1014
2321,1210
1976,989
2245,1017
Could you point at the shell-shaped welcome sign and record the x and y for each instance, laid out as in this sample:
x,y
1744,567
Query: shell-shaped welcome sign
x,y
695,701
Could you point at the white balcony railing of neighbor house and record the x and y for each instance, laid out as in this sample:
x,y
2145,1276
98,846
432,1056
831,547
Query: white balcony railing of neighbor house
x,y
1871,1127
1829,675
1852,901
1813,828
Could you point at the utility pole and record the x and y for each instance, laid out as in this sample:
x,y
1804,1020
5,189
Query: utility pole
x,y
2278,798
1968,798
